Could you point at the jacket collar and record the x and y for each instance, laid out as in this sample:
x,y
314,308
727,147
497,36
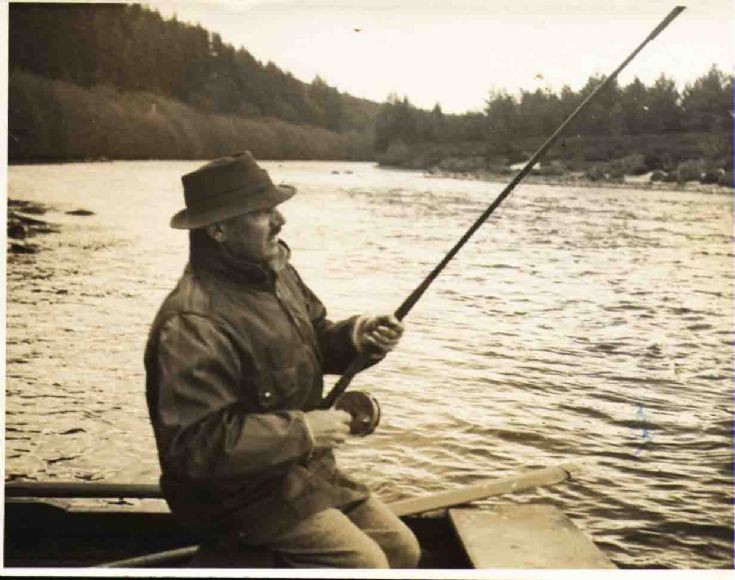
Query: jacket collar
x,y
212,260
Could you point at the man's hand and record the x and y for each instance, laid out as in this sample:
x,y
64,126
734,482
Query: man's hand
x,y
329,428
378,334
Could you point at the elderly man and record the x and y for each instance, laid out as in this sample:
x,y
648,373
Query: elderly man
x,y
234,364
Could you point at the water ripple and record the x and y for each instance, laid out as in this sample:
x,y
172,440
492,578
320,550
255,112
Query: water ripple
x,y
578,325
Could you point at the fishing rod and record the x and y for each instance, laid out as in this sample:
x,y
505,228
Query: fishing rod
x,y
362,406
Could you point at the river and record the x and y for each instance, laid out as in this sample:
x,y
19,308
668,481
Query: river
x,y
579,325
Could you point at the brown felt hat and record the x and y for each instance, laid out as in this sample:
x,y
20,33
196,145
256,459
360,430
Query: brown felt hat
x,y
227,187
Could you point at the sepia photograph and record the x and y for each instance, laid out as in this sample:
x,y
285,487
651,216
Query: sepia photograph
x,y
316,288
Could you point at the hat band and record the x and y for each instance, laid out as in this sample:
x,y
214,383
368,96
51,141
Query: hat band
x,y
216,199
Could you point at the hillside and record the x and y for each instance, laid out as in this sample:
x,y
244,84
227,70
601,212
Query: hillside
x,y
80,70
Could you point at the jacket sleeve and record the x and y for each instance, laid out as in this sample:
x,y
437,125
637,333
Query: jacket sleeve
x,y
202,428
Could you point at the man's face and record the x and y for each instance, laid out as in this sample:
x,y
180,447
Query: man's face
x,y
253,236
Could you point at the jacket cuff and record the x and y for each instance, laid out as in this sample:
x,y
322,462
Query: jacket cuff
x,y
311,442
357,326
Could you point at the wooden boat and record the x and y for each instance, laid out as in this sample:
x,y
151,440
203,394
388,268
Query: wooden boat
x,y
70,525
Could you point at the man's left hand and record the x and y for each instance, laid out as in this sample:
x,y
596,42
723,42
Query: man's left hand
x,y
378,334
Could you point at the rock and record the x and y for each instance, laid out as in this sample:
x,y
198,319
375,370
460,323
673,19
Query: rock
x,y
16,230
84,212
27,206
16,248
73,431
22,226
49,229
27,220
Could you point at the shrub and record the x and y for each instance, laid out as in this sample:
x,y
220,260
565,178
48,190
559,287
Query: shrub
x,y
595,172
711,176
634,164
652,161
690,170
397,154
726,179
515,155
669,177
462,165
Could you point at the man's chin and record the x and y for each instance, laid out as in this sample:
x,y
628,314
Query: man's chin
x,y
273,249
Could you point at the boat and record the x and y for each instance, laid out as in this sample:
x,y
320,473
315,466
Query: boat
x,y
88,524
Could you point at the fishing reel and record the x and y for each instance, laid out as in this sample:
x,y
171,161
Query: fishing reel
x,y
363,408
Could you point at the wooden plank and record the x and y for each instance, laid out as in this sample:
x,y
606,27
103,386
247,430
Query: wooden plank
x,y
526,536
514,483
76,489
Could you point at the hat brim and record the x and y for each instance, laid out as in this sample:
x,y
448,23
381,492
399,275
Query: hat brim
x,y
187,219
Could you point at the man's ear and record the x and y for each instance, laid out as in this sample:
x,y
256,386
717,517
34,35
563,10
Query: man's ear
x,y
216,232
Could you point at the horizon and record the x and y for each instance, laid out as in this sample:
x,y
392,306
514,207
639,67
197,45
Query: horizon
x,y
300,38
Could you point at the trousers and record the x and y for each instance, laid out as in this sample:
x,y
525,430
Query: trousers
x,y
368,535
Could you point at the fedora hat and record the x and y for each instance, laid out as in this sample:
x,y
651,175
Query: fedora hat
x,y
227,187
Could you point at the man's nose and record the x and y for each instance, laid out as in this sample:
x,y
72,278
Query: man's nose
x,y
278,219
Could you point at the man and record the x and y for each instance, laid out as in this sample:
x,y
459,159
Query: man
x,y
234,367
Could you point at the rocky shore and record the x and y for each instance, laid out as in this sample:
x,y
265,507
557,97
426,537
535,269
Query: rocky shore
x,y
578,179
24,225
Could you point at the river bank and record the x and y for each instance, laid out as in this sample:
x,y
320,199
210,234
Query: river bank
x,y
579,180
24,224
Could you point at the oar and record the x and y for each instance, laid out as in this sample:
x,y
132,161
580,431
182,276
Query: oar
x,y
360,361
409,507
512,484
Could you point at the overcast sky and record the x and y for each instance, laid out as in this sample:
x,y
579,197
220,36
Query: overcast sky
x,y
454,52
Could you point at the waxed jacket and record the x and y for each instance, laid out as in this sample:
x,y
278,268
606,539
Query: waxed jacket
x,y
234,358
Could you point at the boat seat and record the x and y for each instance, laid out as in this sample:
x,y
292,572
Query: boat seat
x,y
526,536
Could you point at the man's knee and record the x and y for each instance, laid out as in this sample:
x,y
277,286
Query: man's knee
x,y
367,555
404,551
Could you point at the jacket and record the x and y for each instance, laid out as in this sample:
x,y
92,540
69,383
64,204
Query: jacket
x,y
234,358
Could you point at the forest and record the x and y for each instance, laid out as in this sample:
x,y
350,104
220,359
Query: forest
x,y
91,81
118,81
635,129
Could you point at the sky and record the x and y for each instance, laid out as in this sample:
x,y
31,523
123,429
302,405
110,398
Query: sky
x,y
453,52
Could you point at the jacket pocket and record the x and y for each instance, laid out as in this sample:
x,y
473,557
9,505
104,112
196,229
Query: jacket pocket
x,y
277,387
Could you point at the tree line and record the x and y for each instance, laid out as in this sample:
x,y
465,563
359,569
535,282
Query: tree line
x,y
705,105
666,126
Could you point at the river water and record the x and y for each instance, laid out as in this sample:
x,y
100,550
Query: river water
x,y
579,325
